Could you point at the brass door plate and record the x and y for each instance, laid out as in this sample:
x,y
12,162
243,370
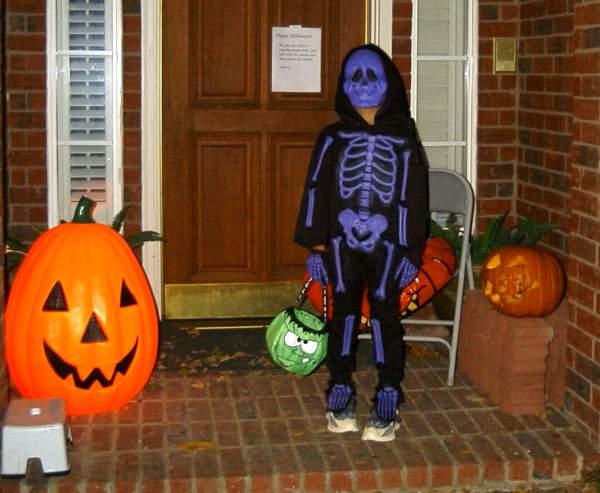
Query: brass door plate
x,y
505,55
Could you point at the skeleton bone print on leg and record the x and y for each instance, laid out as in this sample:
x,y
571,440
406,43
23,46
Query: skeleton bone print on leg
x,y
368,171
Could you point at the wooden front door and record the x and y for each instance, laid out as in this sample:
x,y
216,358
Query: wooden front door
x,y
235,154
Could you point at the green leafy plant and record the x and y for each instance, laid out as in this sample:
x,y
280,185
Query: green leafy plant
x,y
15,250
494,235
137,239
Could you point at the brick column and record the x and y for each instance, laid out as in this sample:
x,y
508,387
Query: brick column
x,y
401,44
132,106
497,132
3,375
26,118
545,117
583,338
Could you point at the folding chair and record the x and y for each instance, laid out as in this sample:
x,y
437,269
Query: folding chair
x,y
449,192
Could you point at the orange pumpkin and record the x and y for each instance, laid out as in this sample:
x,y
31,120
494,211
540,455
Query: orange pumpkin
x,y
438,266
523,281
81,322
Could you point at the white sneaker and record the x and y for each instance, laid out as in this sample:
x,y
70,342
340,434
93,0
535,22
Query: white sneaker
x,y
380,430
343,421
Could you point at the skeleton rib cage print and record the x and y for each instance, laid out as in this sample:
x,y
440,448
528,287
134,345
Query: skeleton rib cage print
x,y
368,173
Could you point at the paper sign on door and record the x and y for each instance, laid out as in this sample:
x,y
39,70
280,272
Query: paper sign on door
x,y
296,59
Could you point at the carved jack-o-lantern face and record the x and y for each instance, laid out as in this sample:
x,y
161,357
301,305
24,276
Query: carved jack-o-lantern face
x,y
523,281
93,333
81,323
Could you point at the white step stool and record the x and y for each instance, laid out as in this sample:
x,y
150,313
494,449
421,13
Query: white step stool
x,y
35,428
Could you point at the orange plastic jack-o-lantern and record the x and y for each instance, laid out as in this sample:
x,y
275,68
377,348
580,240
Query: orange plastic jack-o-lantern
x,y
81,323
523,281
438,266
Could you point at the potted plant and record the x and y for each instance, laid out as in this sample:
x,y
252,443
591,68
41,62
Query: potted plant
x,y
494,235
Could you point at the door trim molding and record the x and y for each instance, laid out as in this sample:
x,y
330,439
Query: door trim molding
x,y
380,16
380,32
151,142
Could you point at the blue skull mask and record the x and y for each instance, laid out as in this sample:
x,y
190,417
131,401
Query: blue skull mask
x,y
365,82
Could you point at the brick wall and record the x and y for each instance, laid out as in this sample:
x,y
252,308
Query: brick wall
x,y
3,376
132,102
497,114
26,116
583,350
401,44
545,116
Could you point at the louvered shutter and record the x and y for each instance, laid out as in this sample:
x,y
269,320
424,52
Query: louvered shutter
x,y
440,106
87,100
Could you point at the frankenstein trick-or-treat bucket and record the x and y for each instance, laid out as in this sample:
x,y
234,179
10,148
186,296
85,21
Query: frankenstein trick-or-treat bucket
x,y
296,338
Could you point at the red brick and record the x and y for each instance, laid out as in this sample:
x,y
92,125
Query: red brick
x,y
123,487
440,462
25,42
509,12
314,481
497,100
466,464
341,481
588,322
579,340
415,463
366,480
391,478
497,29
587,414
587,14
235,484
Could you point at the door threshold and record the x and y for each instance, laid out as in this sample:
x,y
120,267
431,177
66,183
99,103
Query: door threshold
x,y
218,323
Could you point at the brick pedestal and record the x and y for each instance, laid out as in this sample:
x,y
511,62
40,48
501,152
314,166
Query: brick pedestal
x,y
507,357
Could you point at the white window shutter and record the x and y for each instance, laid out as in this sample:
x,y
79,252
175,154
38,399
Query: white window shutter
x,y
440,99
87,101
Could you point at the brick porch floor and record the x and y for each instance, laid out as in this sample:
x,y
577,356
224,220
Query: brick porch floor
x,y
264,431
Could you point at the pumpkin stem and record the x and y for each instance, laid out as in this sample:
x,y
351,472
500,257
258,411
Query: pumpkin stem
x,y
83,211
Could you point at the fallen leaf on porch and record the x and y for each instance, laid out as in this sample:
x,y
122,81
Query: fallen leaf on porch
x,y
422,351
228,357
197,445
199,385
155,385
298,433
474,398
221,379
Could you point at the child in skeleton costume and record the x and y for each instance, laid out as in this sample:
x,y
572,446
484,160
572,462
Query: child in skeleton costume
x,y
364,216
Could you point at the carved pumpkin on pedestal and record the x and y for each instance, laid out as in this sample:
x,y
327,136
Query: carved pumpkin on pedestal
x,y
81,323
523,281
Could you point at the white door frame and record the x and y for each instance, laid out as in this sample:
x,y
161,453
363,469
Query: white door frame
x,y
152,142
380,33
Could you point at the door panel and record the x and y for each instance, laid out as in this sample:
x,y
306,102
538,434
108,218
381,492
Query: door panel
x,y
235,154
226,191
289,153
224,53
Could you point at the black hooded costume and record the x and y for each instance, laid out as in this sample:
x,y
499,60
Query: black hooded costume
x,y
366,200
